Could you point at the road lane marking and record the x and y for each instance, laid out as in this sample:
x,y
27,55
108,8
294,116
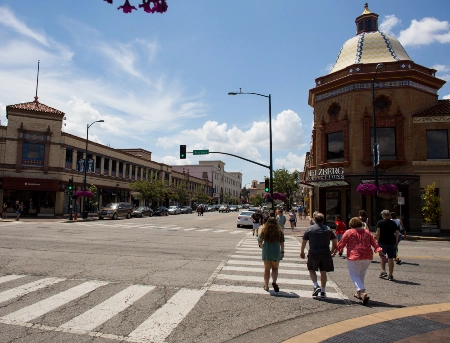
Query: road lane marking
x,y
192,228
258,257
220,231
28,288
42,307
234,232
281,281
261,264
162,322
202,230
258,270
99,314
7,278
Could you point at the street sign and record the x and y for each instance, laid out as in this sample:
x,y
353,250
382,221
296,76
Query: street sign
x,y
201,152
401,200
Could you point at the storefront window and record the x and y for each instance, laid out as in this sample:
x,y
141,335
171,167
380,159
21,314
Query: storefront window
x,y
437,144
335,147
386,139
333,205
33,153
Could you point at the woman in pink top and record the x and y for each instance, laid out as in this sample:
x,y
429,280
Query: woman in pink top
x,y
359,242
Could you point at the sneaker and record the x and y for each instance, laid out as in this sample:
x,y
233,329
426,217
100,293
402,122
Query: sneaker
x,y
323,294
383,274
399,262
316,291
391,278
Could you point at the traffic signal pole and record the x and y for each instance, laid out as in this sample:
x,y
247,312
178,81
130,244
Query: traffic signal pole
x,y
70,198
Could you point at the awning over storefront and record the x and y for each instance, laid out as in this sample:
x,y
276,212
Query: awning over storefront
x,y
398,180
327,183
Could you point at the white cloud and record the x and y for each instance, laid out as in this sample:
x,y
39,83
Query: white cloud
x,y
446,96
388,23
291,162
440,68
424,32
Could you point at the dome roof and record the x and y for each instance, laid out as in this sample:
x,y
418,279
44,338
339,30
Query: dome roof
x,y
370,47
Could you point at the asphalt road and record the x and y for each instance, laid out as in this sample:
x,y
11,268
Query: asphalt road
x,y
182,278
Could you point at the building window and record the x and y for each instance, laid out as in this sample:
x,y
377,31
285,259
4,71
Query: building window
x,y
361,26
368,24
33,154
437,144
335,147
386,139
69,158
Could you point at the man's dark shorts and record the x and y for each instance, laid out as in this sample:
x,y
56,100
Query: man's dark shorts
x,y
322,261
389,249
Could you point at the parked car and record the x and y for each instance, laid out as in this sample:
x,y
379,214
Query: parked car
x,y
233,208
211,208
245,219
217,206
116,210
224,208
174,210
186,209
142,211
161,211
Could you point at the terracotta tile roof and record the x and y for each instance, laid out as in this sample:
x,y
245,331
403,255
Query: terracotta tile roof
x,y
442,107
34,106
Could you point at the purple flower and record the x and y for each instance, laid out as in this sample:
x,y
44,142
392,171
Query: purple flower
x,y
367,189
108,1
388,189
127,8
146,6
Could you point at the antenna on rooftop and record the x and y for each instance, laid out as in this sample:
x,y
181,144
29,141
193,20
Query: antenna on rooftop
x,y
37,84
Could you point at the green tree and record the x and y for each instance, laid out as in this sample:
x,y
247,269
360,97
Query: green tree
x,y
287,183
257,200
431,209
201,197
150,189
182,192
93,201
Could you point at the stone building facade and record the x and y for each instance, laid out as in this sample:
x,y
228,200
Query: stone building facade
x,y
37,160
373,73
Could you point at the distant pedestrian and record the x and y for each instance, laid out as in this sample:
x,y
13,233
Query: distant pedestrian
x,y
340,230
300,211
199,210
402,235
319,254
387,237
292,219
359,243
266,217
271,240
305,212
4,211
364,219
256,218
281,219
17,208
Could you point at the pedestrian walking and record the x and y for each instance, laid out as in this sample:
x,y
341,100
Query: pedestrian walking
x,y
271,240
340,230
402,235
359,243
256,218
266,217
300,211
292,219
319,254
305,212
17,208
387,236
281,219
199,209
4,211
364,219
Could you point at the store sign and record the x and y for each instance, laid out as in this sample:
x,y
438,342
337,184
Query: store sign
x,y
32,184
326,174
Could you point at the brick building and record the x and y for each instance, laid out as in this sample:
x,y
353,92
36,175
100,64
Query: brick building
x,y
411,129
37,160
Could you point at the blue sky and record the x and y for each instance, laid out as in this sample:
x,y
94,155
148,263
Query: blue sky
x,y
161,80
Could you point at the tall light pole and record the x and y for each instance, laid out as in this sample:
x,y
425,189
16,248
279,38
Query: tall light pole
x,y
272,210
85,159
375,144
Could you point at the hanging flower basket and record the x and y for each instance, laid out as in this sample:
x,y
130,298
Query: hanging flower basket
x,y
276,196
387,190
367,189
86,194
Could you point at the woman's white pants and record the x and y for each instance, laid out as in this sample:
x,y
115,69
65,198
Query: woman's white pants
x,y
357,270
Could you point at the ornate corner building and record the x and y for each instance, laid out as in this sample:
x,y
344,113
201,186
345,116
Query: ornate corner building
x,y
411,128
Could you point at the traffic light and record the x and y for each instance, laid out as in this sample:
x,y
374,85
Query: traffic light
x,y
182,152
70,187
266,185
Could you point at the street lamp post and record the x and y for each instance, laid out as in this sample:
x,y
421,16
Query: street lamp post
x,y
375,144
85,161
272,210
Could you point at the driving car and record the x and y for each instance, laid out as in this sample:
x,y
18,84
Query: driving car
x,y
186,209
211,208
116,210
233,208
224,208
160,211
174,210
245,219
142,211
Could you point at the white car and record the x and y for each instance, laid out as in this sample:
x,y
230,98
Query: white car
x,y
245,218
174,210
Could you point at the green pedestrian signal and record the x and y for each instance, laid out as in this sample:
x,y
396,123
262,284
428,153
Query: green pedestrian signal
x,y
266,185
70,187
182,152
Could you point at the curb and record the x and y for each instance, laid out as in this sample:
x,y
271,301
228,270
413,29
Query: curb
x,y
426,238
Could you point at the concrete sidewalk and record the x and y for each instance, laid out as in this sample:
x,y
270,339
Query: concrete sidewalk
x,y
428,323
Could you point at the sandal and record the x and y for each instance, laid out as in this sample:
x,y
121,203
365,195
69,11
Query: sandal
x,y
365,299
266,288
383,274
275,287
357,296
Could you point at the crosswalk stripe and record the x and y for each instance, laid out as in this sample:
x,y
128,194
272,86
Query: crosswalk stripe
x,y
99,314
7,278
259,270
258,257
42,307
202,230
260,279
259,249
260,290
28,288
192,228
161,323
220,231
234,232
261,264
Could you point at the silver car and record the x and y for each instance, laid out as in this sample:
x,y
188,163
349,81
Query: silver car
x,y
174,210
245,219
